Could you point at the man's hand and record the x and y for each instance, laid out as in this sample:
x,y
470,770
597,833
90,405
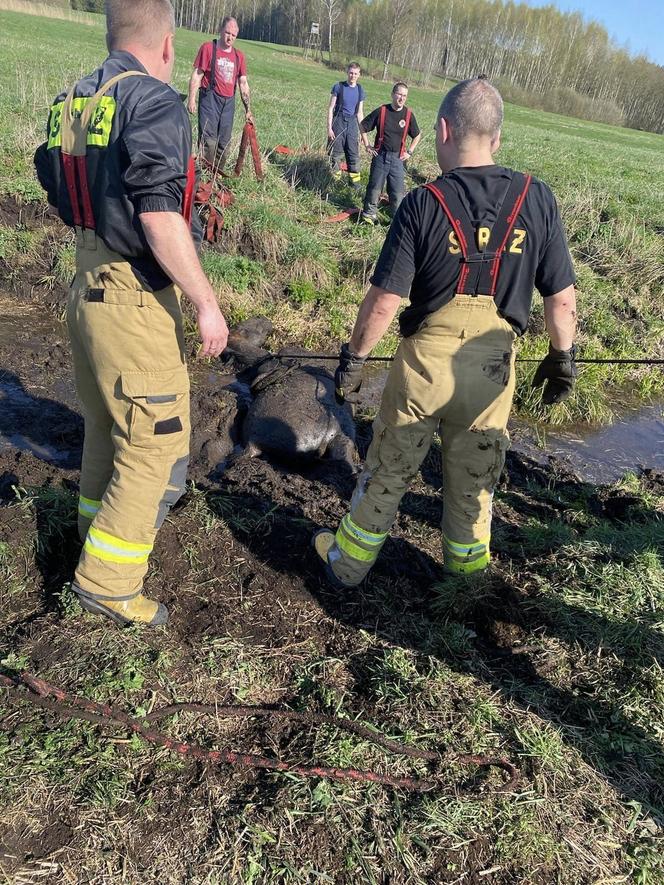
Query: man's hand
x,y
212,329
330,133
348,376
191,106
558,370
249,117
371,150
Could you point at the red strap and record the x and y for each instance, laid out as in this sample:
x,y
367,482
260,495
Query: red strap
x,y
188,199
84,191
405,130
511,221
456,225
381,128
70,179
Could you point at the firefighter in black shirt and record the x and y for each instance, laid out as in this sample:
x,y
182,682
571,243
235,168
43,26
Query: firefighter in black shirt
x,y
393,123
467,249
117,167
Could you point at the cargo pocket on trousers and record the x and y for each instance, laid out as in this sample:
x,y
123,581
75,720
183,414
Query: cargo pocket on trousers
x,y
159,406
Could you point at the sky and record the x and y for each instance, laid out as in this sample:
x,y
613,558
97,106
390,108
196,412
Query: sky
x,y
637,23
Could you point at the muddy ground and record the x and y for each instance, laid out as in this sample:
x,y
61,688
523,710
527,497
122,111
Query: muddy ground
x,y
256,582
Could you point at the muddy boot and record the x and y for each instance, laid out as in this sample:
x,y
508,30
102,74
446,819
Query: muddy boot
x,y
322,541
137,610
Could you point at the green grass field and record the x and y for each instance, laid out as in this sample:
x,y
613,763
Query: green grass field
x,y
277,258
553,659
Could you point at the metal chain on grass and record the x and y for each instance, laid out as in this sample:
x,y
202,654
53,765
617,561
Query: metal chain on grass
x,y
66,705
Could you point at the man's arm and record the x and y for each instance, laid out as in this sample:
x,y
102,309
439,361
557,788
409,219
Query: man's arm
x,y
245,95
169,239
373,319
194,85
560,318
330,116
413,145
360,111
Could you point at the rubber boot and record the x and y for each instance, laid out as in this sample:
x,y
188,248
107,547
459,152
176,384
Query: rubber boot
x,y
322,541
138,610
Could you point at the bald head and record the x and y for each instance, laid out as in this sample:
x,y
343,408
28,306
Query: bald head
x,y
473,108
138,23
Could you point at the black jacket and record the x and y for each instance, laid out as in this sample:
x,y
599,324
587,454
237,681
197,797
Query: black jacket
x,y
139,144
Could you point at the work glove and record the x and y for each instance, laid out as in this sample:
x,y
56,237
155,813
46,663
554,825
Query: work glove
x,y
558,370
348,376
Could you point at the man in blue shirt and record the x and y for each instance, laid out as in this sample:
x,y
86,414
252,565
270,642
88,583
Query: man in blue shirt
x,y
345,111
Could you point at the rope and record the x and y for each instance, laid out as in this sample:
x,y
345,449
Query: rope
x,y
389,359
68,706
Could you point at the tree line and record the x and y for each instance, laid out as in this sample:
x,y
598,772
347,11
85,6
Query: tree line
x,y
538,56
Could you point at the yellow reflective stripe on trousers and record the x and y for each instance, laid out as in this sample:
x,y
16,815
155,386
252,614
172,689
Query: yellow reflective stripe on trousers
x,y
87,507
112,549
358,543
467,549
466,558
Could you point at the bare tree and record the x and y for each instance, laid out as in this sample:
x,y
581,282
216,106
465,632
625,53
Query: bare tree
x,y
333,9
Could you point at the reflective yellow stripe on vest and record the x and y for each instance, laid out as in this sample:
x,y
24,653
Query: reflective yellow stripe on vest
x,y
87,507
358,543
112,549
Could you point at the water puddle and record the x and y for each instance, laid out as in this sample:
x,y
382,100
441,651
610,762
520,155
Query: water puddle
x,y
600,454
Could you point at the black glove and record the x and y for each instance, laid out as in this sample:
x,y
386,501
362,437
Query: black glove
x,y
348,376
558,369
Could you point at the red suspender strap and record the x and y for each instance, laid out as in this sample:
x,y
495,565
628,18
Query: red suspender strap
x,y
511,221
458,230
84,191
188,199
405,130
70,179
381,128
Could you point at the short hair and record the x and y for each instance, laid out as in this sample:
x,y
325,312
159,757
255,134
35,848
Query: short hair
x,y
354,65
226,20
399,84
473,107
138,21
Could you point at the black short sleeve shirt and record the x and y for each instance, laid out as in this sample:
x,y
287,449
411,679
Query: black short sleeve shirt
x,y
421,258
395,123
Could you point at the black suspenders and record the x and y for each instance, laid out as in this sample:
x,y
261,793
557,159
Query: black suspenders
x,y
479,270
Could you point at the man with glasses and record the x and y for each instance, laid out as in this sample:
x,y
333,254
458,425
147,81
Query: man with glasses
x,y
394,124
117,168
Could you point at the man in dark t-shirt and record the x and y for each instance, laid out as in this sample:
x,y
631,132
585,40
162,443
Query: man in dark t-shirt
x,y
394,123
344,112
467,251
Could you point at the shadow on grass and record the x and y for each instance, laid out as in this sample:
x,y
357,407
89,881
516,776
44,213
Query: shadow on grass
x,y
405,602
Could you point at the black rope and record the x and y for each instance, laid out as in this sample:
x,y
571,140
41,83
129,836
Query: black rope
x,y
388,359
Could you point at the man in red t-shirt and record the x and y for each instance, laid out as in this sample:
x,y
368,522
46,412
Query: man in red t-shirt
x,y
218,70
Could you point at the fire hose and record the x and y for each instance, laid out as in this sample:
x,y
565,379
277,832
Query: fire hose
x,y
69,706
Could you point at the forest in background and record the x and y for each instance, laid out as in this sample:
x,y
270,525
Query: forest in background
x,y
544,58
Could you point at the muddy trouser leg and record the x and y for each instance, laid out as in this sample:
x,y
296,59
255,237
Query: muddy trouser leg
x,y
336,145
135,346
352,149
98,449
395,182
377,177
456,374
215,126
225,130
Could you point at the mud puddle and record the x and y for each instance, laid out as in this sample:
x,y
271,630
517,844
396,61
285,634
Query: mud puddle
x,y
635,440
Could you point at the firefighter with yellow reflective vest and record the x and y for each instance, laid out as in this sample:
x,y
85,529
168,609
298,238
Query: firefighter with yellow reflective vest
x,y
117,168
467,250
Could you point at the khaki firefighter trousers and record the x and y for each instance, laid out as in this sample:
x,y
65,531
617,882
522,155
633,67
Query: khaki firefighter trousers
x,y
131,377
454,376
